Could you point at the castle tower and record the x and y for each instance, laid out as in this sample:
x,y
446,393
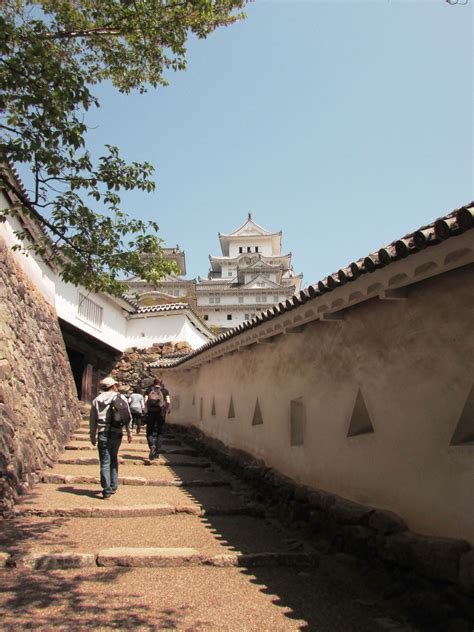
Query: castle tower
x,y
250,276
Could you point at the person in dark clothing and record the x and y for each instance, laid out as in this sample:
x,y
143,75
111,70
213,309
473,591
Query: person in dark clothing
x,y
167,398
155,411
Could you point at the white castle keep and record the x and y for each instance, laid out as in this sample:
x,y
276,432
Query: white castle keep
x,y
248,277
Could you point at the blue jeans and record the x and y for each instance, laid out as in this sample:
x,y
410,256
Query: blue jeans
x,y
108,456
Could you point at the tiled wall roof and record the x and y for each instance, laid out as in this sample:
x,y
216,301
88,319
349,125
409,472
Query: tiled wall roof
x,y
446,227
170,359
166,307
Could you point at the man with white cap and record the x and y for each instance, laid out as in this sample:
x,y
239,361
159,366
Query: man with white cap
x,y
109,415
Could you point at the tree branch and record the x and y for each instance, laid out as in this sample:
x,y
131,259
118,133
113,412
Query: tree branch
x,y
41,219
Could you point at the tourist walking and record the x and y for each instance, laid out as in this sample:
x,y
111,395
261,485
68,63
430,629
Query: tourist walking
x,y
155,412
109,415
167,398
137,407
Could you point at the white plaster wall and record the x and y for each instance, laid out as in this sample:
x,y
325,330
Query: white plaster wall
x,y
32,265
414,363
142,332
264,245
113,330
116,330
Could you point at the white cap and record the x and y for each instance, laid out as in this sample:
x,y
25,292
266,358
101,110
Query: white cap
x,y
108,382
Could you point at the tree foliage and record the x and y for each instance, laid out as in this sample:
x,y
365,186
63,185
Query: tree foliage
x,y
52,53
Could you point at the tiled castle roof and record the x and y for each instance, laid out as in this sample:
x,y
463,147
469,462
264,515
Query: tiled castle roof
x,y
430,235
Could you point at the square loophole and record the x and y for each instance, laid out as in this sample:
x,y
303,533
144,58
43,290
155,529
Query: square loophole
x,y
297,421
175,402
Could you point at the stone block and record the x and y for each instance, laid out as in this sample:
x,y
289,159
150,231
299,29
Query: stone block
x,y
74,480
56,479
222,561
183,345
51,561
320,500
349,512
279,559
5,369
437,558
359,540
148,557
4,559
133,480
193,510
132,512
466,571
386,522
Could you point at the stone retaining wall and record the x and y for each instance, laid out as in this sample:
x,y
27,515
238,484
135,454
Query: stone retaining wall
x,y
354,528
39,408
135,367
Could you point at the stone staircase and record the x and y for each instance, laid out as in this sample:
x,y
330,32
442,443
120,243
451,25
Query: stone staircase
x,y
180,546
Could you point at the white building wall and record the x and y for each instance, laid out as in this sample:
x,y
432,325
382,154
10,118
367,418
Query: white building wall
x,y
32,265
264,245
112,331
142,332
412,361
113,327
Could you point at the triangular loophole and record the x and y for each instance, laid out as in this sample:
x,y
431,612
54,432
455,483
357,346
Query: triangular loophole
x,y
257,415
464,432
213,409
360,420
231,414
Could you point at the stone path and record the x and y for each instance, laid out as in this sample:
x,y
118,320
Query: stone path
x,y
179,547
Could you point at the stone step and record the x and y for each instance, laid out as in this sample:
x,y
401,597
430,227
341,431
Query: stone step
x,y
83,437
211,536
56,479
165,472
68,499
176,461
136,557
109,511
128,449
168,434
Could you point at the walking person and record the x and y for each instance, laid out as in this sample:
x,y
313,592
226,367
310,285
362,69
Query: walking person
x,y
137,407
155,411
109,415
167,398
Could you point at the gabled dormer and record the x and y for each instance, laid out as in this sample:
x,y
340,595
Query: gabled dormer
x,y
260,282
250,238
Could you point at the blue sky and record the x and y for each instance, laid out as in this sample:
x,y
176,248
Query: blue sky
x,y
345,124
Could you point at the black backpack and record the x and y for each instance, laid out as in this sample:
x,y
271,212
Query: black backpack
x,y
118,414
155,400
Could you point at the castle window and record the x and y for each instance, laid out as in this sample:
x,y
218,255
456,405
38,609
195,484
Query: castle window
x,y
256,248
229,316
249,249
206,317
241,249
89,312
